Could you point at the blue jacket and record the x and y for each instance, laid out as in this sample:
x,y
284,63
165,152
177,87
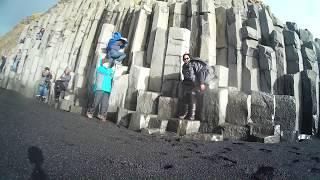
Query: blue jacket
x,y
115,37
104,77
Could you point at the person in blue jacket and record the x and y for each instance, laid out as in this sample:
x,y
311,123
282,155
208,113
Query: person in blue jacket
x,y
115,44
102,89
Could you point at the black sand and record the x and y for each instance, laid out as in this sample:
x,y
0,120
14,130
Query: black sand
x,y
38,142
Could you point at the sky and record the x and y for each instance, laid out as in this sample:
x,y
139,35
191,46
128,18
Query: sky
x,y
13,11
306,13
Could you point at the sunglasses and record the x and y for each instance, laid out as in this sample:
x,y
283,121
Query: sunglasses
x,y
186,59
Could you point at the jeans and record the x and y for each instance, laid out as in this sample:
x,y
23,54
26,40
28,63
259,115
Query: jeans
x,y
116,56
100,98
43,90
14,66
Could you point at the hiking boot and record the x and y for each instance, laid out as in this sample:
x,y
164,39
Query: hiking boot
x,y
184,111
192,112
102,118
89,115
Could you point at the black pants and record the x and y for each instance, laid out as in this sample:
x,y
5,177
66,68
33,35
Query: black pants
x,y
189,95
59,89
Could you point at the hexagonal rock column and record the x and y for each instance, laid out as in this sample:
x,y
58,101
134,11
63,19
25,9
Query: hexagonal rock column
x,y
118,93
222,42
158,58
250,66
262,108
138,80
213,111
237,108
234,24
309,57
104,37
183,127
234,132
310,114
147,102
266,24
140,32
139,121
124,117
193,23
208,35
178,44
157,42
293,53
268,68
167,107
178,17
285,116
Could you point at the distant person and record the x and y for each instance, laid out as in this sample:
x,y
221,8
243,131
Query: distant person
x,y
115,47
102,89
3,62
61,84
40,34
194,73
44,84
16,61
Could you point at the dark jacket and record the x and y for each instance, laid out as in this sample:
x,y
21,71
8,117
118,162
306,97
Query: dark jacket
x,y
195,71
45,79
64,79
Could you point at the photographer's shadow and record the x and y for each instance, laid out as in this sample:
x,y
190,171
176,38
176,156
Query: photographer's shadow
x,y
36,157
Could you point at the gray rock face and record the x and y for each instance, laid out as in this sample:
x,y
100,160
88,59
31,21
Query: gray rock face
x,y
237,108
267,58
183,127
305,35
118,94
147,102
167,108
292,26
276,39
262,108
253,11
266,24
157,61
294,59
234,132
233,28
138,121
124,117
285,116
281,61
221,17
309,81
250,48
309,59
249,33
291,38
138,80
267,80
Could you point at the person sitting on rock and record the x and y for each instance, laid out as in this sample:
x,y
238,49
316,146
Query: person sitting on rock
x,y
61,84
3,62
115,47
16,61
44,84
102,89
40,34
194,73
